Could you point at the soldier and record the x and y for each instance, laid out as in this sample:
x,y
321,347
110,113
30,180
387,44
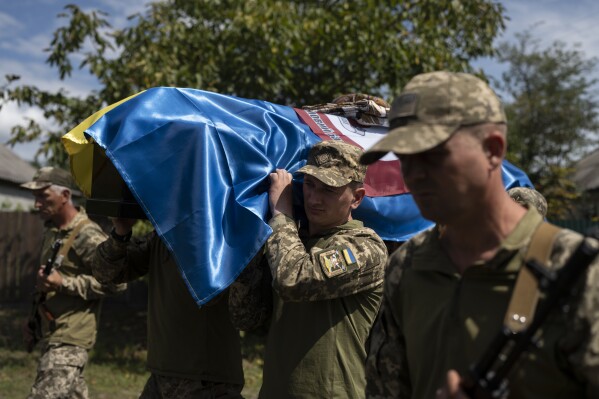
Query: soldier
x,y
326,280
193,352
69,315
526,197
447,290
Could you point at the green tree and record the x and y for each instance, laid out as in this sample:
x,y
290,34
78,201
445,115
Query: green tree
x,y
552,113
287,52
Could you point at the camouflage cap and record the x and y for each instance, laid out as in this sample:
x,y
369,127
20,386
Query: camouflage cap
x,y
362,108
529,197
47,176
431,108
335,163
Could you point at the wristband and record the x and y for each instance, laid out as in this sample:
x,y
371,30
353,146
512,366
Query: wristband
x,y
120,238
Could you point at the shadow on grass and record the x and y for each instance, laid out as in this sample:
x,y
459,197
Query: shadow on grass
x,y
117,361
121,338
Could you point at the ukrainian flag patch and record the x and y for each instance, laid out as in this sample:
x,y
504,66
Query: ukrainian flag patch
x,y
349,256
336,260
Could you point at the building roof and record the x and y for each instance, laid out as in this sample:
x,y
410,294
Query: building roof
x,y
13,168
586,175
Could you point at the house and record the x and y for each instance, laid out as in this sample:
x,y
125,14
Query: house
x,y
586,178
13,172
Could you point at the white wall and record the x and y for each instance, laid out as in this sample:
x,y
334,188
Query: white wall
x,y
12,198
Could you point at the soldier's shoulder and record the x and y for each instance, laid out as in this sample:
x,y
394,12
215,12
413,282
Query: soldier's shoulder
x,y
91,233
400,258
566,242
365,233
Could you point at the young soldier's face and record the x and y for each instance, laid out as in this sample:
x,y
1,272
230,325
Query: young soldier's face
x,y
326,206
447,181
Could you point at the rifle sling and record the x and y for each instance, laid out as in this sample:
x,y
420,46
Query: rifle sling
x,y
64,250
525,296
61,254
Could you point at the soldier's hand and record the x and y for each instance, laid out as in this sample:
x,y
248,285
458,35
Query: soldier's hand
x,y
123,226
280,194
51,282
452,390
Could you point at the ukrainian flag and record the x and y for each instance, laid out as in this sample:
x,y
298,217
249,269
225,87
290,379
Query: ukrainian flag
x,y
198,164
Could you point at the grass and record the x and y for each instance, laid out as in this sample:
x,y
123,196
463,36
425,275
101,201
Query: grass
x,y
116,369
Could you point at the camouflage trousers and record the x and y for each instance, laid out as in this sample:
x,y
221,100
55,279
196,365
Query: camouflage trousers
x,y
60,373
162,387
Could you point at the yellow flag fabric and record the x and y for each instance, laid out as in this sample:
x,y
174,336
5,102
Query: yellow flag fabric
x,y
81,150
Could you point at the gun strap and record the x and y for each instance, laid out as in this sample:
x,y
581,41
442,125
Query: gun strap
x,y
61,254
64,250
523,303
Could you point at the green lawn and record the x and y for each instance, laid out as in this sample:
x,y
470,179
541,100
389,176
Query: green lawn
x,y
117,363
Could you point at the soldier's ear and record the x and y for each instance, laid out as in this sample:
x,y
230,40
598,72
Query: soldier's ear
x,y
495,146
358,196
65,194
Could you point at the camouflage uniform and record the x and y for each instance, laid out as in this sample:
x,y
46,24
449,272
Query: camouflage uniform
x,y
433,318
365,109
250,296
75,307
323,311
193,352
529,197
326,293
413,346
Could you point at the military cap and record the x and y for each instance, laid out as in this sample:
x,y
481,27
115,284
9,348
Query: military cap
x,y
47,176
365,109
529,197
431,108
335,163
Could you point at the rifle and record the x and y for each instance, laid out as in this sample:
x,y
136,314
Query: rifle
x,y
487,377
34,321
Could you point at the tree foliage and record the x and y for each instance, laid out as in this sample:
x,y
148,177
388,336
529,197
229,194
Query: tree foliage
x,y
552,113
287,52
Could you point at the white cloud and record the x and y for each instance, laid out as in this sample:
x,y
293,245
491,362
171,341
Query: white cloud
x,y
45,78
119,10
8,25
13,115
551,20
21,53
30,47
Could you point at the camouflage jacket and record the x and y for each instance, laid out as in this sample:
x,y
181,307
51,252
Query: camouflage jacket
x,y
433,319
347,260
250,296
367,110
298,273
326,294
75,306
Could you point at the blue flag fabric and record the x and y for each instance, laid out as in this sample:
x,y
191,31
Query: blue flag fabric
x,y
198,164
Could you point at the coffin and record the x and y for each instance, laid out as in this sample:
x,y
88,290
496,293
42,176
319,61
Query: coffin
x,y
110,196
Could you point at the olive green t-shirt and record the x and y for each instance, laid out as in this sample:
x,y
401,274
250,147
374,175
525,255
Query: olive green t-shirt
x,y
75,306
184,340
324,306
433,319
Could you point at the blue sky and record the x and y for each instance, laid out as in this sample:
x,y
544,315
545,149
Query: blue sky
x,y
26,28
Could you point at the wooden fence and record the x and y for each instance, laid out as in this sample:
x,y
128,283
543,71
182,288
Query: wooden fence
x,y
20,245
21,237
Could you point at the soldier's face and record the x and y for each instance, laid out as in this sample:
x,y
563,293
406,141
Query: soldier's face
x,y
49,202
449,180
326,206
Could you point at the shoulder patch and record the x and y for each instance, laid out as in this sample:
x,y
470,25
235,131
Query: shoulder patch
x,y
335,261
